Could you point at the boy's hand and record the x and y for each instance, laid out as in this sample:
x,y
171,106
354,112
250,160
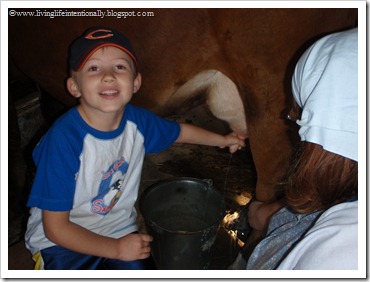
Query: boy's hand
x,y
234,141
134,246
60,230
192,134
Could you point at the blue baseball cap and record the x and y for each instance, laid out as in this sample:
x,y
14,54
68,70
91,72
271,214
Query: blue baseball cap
x,y
93,39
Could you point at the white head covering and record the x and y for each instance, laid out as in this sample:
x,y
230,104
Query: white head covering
x,y
324,85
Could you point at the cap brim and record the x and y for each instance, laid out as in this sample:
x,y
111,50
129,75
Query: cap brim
x,y
86,56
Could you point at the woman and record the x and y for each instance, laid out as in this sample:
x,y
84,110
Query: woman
x,y
317,228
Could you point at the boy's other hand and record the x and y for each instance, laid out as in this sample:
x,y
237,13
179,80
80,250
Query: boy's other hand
x,y
134,246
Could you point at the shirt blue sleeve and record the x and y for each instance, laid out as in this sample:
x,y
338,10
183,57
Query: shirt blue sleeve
x,y
57,163
159,133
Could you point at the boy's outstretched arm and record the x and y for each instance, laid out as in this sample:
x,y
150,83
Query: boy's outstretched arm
x,y
192,134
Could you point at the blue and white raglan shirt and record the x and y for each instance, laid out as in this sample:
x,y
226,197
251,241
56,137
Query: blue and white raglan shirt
x,y
93,174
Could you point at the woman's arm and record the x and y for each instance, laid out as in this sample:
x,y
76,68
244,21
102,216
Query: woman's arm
x,y
195,135
60,230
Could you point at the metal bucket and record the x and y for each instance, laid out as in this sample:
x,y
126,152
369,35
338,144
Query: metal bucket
x,y
183,216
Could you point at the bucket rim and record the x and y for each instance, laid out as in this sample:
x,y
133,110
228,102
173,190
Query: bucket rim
x,y
208,182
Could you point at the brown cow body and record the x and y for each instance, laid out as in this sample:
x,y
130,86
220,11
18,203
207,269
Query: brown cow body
x,y
190,56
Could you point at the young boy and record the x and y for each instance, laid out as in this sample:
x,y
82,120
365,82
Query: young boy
x,y
89,162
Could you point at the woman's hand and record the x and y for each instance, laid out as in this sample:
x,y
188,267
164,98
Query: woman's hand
x,y
260,213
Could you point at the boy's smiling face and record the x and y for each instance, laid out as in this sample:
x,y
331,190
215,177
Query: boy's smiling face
x,y
105,83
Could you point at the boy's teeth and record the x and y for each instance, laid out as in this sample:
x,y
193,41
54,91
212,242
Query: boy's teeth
x,y
109,92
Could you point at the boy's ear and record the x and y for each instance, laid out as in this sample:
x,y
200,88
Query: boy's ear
x,y
137,82
73,87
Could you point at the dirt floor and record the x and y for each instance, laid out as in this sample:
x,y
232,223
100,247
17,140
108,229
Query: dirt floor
x,y
233,176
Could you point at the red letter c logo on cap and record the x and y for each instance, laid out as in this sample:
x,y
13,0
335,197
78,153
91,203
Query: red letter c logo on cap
x,y
108,33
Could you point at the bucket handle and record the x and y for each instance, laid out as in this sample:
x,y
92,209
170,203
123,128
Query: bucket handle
x,y
208,181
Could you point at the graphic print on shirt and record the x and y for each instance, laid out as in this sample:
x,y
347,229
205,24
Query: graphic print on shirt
x,y
111,188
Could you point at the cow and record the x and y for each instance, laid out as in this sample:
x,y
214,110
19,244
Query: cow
x,y
238,62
